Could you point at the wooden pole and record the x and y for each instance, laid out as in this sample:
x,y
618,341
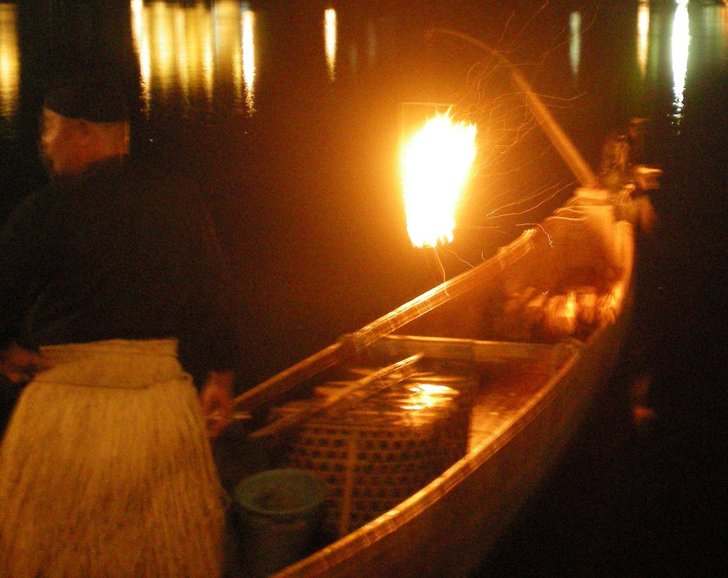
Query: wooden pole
x,y
555,133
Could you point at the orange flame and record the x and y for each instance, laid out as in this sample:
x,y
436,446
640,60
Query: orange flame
x,y
435,167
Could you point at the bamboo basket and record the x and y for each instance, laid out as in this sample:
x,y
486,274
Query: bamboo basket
x,y
384,449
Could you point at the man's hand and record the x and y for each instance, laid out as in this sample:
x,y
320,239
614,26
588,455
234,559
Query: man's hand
x,y
216,400
20,365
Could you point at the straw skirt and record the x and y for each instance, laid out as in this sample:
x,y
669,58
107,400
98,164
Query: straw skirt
x,y
105,469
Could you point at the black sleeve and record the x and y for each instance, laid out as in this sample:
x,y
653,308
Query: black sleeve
x,y
28,240
211,337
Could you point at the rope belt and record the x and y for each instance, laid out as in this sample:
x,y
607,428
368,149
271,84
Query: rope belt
x,y
116,363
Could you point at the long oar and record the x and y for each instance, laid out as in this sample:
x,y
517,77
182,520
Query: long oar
x,y
557,136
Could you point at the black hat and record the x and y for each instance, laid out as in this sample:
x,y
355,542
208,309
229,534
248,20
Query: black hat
x,y
95,101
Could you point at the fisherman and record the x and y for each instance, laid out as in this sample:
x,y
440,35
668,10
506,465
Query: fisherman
x,y
114,306
623,173
622,152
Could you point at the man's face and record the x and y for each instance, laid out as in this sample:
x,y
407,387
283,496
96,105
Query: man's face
x,y
59,144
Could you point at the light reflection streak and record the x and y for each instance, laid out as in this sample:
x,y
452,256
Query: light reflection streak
x,y
233,27
575,42
182,60
643,31
715,23
141,42
207,33
225,51
330,40
160,42
372,47
184,48
247,40
680,48
9,60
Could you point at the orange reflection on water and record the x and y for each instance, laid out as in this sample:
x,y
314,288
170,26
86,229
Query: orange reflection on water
x,y
9,60
643,31
575,42
247,41
188,48
330,36
141,41
680,41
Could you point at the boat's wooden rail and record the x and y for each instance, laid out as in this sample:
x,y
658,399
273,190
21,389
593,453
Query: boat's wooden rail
x,y
290,378
452,290
476,351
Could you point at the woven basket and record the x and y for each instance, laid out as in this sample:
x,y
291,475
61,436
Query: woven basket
x,y
377,454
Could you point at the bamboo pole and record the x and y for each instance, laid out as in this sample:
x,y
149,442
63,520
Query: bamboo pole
x,y
290,378
554,132
485,272
404,367
351,344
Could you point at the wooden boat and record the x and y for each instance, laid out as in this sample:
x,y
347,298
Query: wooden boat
x,y
515,351
537,328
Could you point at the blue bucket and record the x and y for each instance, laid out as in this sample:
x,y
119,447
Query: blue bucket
x,y
280,511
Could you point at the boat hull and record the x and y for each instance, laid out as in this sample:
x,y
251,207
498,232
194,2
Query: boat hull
x,y
450,526
532,398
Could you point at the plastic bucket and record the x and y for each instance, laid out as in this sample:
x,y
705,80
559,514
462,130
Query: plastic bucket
x,y
280,511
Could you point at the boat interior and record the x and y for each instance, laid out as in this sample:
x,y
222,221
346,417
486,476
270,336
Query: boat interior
x,y
389,408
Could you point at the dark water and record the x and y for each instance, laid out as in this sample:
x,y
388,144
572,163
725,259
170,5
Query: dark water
x,y
295,148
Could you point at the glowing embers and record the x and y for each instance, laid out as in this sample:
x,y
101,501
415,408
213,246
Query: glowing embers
x,y
436,164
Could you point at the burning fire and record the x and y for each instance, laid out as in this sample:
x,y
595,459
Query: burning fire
x,y
435,167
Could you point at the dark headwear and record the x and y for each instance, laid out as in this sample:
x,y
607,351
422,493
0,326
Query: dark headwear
x,y
92,101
